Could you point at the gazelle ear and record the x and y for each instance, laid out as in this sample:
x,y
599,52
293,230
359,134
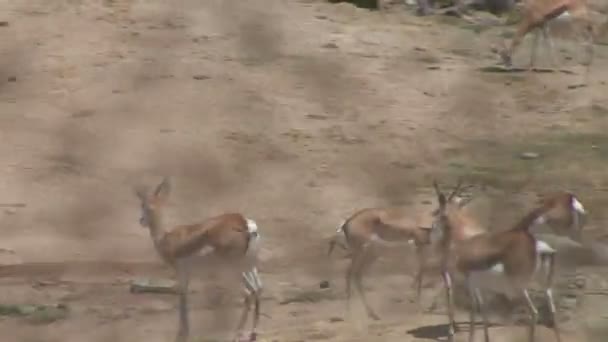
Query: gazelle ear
x,y
140,192
163,189
440,196
456,189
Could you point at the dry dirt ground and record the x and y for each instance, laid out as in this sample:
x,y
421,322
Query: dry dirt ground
x,y
296,113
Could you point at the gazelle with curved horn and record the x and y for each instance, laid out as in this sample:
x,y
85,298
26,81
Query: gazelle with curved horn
x,y
231,236
514,254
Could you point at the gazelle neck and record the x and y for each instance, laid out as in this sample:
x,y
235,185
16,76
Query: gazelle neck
x,y
155,224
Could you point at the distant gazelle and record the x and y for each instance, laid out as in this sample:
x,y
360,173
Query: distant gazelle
x,y
514,254
232,237
535,16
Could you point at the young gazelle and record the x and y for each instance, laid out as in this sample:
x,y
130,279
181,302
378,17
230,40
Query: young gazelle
x,y
537,13
230,236
369,228
513,254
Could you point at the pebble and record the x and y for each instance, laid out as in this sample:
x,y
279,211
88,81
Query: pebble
x,y
529,155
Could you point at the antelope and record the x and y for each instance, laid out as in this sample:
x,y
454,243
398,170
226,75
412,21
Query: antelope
x,y
537,13
230,236
371,227
515,255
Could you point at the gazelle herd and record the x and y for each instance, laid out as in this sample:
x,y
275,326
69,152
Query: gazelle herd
x,y
465,248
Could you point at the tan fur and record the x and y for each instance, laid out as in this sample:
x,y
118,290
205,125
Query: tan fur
x,y
226,235
536,14
514,249
370,228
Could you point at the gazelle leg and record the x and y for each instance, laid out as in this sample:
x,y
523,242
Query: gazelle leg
x,y
550,259
474,307
249,292
533,315
484,314
534,49
507,54
348,278
367,258
183,278
583,29
447,279
424,8
549,44
576,225
256,298
421,255
588,32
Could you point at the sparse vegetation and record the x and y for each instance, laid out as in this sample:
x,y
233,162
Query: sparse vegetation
x,y
295,112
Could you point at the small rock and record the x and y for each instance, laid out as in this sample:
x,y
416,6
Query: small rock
x,y
330,46
433,67
576,86
3,23
336,319
580,283
529,155
324,284
201,77
12,79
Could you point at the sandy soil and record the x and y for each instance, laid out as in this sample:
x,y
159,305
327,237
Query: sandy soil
x,y
297,114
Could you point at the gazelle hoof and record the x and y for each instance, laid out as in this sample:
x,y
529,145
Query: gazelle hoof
x,y
253,336
373,316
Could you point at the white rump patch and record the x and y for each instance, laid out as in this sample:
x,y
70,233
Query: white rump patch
x,y
252,227
540,220
578,206
206,250
543,247
341,227
498,268
254,239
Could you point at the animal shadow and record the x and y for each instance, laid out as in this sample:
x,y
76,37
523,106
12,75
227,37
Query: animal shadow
x,y
439,332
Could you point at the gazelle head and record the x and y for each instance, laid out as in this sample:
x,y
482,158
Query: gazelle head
x,y
447,205
564,214
151,203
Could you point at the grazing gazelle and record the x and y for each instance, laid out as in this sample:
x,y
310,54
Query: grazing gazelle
x,y
371,228
231,237
514,254
537,13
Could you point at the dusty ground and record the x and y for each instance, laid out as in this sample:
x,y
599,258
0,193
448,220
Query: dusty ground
x,y
296,114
